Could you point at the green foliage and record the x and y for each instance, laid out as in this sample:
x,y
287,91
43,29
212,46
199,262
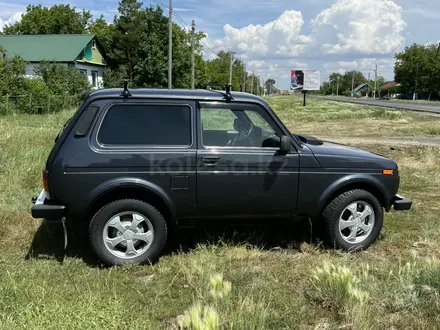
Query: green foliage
x,y
61,79
218,70
54,88
103,32
417,69
200,318
337,287
11,74
115,78
58,19
415,284
221,312
136,46
139,49
270,87
346,83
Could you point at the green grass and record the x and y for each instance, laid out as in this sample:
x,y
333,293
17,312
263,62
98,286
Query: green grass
x,y
278,280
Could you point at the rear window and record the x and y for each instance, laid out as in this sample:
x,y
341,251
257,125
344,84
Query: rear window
x,y
150,125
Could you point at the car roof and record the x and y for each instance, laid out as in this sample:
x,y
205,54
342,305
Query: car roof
x,y
192,94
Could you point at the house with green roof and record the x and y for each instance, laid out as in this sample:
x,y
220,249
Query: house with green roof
x,y
81,51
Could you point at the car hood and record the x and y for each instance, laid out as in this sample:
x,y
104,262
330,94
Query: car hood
x,y
335,155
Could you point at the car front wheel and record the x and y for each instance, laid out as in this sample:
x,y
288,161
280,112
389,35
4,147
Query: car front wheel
x,y
128,231
353,220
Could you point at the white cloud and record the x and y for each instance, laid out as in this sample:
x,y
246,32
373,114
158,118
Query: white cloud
x,y
182,9
353,34
347,64
281,37
11,20
360,26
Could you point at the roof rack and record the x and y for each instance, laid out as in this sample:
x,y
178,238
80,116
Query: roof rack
x,y
226,87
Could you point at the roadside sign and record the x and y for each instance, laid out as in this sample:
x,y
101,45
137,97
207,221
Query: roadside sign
x,y
307,80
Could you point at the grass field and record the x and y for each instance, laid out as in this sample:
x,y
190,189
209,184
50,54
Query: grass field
x,y
245,279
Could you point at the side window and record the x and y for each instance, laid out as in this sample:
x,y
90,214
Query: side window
x,y
95,78
237,127
147,125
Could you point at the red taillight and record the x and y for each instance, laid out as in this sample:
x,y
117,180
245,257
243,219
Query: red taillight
x,y
45,185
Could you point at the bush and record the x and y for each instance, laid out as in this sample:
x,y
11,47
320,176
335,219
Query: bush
x,y
114,78
220,311
54,88
336,287
61,79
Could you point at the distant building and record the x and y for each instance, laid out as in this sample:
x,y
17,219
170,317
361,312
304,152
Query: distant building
x,y
81,51
357,92
391,88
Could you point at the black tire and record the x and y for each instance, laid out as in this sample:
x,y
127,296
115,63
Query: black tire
x,y
107,212
333,211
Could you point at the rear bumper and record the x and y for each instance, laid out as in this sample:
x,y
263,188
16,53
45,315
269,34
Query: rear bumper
x,y
401,203
44,210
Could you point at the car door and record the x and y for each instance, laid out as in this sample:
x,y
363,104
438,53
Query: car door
x,y
240,171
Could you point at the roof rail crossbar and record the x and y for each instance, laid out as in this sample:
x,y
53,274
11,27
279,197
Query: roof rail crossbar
x,y
126,93
226,87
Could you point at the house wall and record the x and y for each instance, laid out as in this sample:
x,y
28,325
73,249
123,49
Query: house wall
x,y
30,68
89,68
30,72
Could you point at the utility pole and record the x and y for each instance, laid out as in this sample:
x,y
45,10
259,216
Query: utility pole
x,y
417,77
244,79
170,45
252,83
258,86
375,81
368,90
337,86
352,84
230,70
193,72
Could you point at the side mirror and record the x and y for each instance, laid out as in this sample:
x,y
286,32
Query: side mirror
x,y
285,144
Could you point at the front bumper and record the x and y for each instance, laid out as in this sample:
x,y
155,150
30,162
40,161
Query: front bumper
x,y
44,210
401,203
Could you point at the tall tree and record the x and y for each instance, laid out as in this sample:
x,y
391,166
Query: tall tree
x,y
58,19
347,81
139,49
218,70
103,31
270,86
417,69
129,35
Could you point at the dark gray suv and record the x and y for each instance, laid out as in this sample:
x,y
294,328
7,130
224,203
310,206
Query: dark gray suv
x,y
137,163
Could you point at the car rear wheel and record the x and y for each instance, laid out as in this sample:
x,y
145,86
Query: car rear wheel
x,y
353,220
128,231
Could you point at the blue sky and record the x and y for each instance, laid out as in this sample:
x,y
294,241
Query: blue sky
x,y
273,37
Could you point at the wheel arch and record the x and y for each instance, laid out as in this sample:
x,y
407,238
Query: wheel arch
x,y
131,189
367,183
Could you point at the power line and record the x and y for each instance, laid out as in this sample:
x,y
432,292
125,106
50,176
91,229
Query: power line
x,y
174,12
184,23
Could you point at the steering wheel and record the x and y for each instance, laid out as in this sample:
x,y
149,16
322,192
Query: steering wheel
x,y
244,134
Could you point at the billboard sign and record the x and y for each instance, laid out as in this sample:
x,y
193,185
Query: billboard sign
x,y
308,80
